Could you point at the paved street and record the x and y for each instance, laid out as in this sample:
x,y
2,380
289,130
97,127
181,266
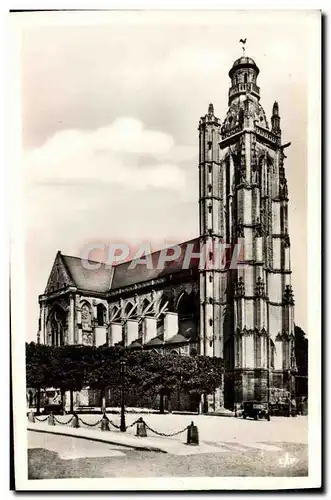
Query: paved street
x,y
213,428
239,448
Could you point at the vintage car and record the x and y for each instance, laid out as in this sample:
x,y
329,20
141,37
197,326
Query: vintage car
x,y
255,409
52,401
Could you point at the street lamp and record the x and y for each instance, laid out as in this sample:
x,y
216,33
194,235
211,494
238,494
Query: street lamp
x,y
122,371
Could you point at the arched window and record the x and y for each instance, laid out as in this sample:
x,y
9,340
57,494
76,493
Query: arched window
x,y
245,77
187,310
101,314
57,322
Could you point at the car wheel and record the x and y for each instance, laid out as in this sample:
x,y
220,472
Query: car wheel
x,y
256,417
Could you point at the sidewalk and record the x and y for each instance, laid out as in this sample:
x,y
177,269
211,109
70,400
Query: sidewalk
x,y
212,431
150,443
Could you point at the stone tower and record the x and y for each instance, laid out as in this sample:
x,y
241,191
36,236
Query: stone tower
x,y
246,311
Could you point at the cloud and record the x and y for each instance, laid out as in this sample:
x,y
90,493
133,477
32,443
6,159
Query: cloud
x,y
123,153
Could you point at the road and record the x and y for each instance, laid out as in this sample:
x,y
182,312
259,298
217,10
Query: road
x,y
53,456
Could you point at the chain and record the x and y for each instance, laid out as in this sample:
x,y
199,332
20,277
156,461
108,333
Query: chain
x,y
163,433
133,423
63,423
114,425
90,425
41,419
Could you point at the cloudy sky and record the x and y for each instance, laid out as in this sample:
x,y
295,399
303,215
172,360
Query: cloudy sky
x,y
109,126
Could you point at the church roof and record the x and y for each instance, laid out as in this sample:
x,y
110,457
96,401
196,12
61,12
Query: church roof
x,y
124,276
97,280
71,271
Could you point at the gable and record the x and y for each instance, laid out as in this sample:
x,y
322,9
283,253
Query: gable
x,y
59,277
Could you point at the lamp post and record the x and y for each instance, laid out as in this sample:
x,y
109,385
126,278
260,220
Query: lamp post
x,y
122,371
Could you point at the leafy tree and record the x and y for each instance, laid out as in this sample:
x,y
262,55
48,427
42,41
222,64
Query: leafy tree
x,y
70,366
104,370
301,351
39,364
301,357
147,374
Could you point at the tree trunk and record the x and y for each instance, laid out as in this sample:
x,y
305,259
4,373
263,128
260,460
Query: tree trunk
x,y
169,403
205,403
62,399
38,401
161,402
71,401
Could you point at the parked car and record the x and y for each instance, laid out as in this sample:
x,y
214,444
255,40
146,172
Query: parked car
x,y
52,402
256,410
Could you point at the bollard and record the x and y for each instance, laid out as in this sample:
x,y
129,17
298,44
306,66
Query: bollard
x,y
141,428
192,435
75,422
105,423
51,420
31,416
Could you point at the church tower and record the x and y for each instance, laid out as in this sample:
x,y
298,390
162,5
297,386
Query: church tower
x,y
247,310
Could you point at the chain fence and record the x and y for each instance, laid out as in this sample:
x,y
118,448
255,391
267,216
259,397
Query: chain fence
x,y
133,423
88,424
139,420
41,419
63,423
163,433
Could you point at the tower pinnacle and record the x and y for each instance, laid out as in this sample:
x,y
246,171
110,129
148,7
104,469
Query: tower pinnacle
x,y
210,109
275,119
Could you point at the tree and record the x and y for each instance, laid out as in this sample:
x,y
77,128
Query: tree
x,y
70,365
104,370
39,367
301,357
147,374
203,376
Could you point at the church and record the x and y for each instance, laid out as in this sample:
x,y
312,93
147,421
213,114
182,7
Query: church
x,y
244,313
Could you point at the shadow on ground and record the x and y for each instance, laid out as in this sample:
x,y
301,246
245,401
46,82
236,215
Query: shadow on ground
x,y
291,462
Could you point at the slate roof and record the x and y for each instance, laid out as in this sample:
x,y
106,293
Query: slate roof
x,y
98,280
107,278
123,276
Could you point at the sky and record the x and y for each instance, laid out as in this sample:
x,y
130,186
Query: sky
x,y
109,114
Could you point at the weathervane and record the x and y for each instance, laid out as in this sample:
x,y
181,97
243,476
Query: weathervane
x,y
243,41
